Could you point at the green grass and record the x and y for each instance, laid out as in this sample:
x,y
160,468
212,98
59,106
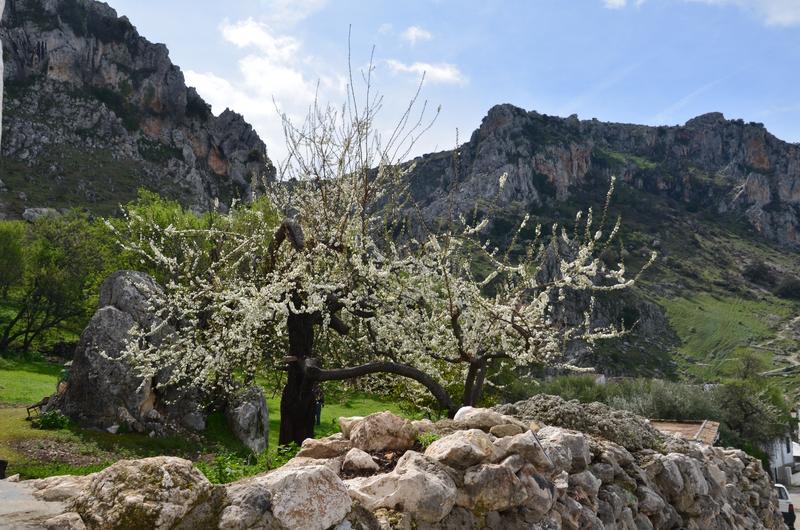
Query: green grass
x,y
218,453
714,330
26,382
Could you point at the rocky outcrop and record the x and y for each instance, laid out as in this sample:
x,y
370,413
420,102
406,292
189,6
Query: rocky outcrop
x,y
93,111
468,478
726,167
248,418
103,390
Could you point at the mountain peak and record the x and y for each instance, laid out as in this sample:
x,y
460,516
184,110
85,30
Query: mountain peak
x,y
82,82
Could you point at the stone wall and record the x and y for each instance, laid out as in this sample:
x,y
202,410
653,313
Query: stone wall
x,y
484,469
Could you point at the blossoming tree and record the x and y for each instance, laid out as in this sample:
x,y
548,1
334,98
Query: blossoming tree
x,y
342,283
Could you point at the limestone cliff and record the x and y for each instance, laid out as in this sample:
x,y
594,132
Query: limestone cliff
x,y
724,167
93,111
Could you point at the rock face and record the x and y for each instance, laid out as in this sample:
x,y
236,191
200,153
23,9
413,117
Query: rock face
x,y
248,418
103,391
160,493
466,479
724,166
93,111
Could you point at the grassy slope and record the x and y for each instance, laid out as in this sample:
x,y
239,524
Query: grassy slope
x,y
25,382
714,313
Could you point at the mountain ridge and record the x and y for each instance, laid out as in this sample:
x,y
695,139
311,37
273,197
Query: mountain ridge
x,y
91,106
724,165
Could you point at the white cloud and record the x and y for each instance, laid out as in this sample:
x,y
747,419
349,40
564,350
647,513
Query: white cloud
x,y
438,73
274,71
414,34
280,13
771,12
385,28
247,33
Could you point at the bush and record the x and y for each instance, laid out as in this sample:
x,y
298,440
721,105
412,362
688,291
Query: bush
x,y
230,466
759,273
51,420
789,288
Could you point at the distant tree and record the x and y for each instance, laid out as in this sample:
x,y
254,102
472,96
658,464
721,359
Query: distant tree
x,y
12,243
58,270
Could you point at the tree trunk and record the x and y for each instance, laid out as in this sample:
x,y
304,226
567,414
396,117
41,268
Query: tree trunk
x,y
469,385
297,400
477,389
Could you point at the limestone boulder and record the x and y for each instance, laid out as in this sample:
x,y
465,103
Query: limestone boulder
x,y
419,485
65,521
358,461
462,449
159,493
309,497
330,447
103,390
248,418
491,487
383,431
61,488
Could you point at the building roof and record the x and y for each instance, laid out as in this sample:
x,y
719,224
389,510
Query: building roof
x,y
705,431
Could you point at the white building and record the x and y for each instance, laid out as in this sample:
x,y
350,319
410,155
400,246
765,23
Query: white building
x,y
781,459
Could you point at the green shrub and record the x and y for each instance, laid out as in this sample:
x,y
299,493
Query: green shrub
x,y
759,273
51,420
789,288
231,466
427,438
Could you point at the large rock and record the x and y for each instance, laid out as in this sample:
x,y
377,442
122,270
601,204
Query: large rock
x,y
418,485
103,389
492,487
311,497
248,418
159,493
383,431
329,447
249,506
358,461
462,449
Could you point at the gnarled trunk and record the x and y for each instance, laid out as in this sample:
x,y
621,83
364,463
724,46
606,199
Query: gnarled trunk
x,y
297,400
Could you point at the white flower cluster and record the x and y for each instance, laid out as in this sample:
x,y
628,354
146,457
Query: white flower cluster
x,y
337,253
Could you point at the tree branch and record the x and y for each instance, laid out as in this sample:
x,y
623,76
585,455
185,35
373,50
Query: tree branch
x,y
374,367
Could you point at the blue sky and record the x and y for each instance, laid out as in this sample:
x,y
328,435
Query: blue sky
x,y
638,61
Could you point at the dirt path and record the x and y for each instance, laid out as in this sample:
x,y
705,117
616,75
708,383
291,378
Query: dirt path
x,y
20,510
